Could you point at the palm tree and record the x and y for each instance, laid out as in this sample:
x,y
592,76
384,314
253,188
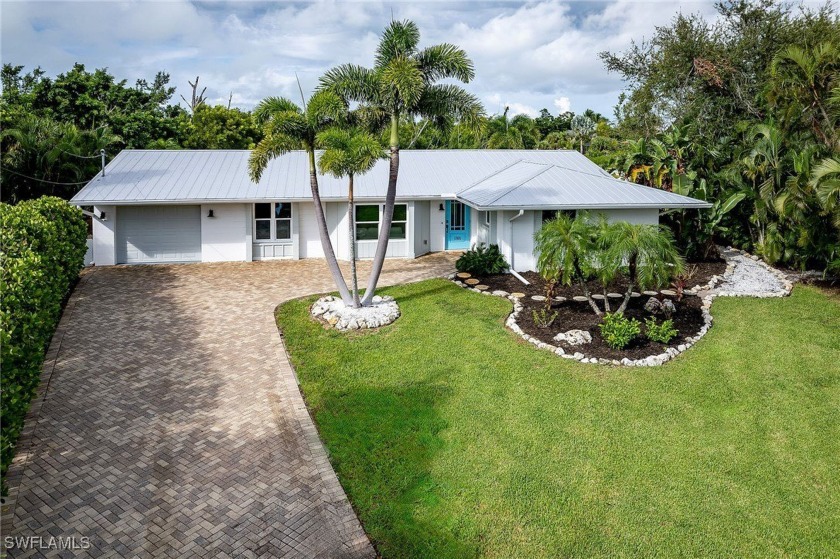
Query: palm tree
x,y
562,246
289,127
349,152
825,178
648,252
403,82
502,134
583,128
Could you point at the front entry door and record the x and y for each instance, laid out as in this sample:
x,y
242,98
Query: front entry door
x,y
457,225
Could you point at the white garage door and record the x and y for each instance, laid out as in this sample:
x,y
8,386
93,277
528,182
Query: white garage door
x,y
149,234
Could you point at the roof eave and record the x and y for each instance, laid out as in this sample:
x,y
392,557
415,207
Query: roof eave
x,y
485,208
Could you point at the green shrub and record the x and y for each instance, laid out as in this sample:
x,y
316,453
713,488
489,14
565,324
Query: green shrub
x,y
619,331
663,333
544,317
43,246
482,260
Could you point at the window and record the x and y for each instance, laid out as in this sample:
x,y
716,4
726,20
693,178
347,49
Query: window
x,y
551,214
367,222
487,218
273,221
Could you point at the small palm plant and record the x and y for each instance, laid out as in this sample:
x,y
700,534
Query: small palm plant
x,y
349,152
648,252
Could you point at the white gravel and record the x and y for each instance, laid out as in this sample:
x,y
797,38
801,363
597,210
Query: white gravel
x,y
749,278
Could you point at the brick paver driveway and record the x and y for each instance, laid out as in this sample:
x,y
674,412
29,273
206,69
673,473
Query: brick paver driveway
x,y
172,425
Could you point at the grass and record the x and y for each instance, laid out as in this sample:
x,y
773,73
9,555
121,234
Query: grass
x,y
453,438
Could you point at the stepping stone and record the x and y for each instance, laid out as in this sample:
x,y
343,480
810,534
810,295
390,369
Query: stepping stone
x,y
471,281
500,293
579,299
517,295
463,275
537,298
560,299
597,297
482,287
668,292
650,293
635,294
615,295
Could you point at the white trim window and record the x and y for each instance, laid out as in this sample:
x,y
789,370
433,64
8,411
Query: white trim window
x,y
369,216
273,222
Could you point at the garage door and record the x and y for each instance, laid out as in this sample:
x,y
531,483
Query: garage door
x,y
151,234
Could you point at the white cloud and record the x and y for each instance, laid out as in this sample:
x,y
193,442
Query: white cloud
x,y
563,104
527,56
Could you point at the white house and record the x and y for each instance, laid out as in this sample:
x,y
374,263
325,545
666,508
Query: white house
x,y
156,206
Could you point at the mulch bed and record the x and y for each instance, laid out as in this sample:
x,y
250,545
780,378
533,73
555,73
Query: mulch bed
x,y
572,315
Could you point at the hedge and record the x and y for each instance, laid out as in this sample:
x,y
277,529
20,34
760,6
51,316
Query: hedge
x,y
42,248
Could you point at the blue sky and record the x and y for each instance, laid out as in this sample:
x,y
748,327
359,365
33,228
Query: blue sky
x,y
528,55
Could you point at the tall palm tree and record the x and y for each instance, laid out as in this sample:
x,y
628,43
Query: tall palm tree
x,y
349,152
583,128
648,252
403,82
502,134
289,127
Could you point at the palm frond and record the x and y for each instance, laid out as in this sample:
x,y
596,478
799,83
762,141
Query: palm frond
x,y
352,82
449,99
271,106
402,82
445,61
273,145
399,40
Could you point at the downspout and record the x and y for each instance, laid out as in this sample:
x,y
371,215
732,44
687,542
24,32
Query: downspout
x,y
512,252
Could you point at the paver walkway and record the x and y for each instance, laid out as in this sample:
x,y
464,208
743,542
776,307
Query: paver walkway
x,y
173,426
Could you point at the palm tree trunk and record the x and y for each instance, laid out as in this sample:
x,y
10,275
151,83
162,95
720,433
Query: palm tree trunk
x,y
326,244
351,211
387,214
632,268
586,293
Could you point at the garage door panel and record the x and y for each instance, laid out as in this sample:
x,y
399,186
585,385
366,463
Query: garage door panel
x,y
159,234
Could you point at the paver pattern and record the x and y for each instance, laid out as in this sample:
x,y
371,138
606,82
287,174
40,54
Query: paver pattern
x,y
172,424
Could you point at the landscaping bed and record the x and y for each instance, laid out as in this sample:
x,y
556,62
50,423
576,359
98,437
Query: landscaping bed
x,y
578,315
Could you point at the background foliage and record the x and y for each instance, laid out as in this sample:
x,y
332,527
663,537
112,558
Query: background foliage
x,y
43,247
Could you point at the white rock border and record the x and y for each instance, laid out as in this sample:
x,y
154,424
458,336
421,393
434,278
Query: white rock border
x,y
651,360
787,284
332,312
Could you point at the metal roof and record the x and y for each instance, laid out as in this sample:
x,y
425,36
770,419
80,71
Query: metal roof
x,y
194,176
527,185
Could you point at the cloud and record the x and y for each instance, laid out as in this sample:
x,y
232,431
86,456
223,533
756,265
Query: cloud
x,y
527,55
563,104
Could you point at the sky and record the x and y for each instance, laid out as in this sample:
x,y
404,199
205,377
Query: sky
x,y
527,55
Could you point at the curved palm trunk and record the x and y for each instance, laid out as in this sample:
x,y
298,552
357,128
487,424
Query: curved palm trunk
x,y
326,244
586,293
387,214
632,265
351,210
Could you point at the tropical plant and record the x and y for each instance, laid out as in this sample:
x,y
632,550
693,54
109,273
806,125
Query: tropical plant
x,y
348,152
583,128
482,260
647,251
618,331
288,127
663,333
544,317
403,82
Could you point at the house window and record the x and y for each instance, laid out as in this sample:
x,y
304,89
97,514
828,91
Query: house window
x,y
368,218
487,218
367,222
551,214
273,221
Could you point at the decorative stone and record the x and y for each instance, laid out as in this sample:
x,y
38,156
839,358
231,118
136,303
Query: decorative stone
x,y
579,299
653,306
471,281
574,337
517,294
597,297
560,299
635,294
482,287
668,292
537,298
650,293
500,293
615,295
463,275
382,311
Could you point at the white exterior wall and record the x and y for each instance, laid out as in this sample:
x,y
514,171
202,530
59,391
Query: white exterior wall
x,y
309,242
105,236
437,227
420,218
225,236
643,216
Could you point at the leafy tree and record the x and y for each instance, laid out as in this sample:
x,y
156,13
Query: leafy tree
x,y
288,127
217,127
348,152
403,82
583,128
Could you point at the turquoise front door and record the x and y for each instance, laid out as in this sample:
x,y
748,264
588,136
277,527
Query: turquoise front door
x,y
457,225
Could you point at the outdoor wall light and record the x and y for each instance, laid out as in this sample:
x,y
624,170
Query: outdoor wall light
x,y
210,214
441,206
102,216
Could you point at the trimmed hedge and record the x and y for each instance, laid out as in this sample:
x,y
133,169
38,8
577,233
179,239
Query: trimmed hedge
x,y
42,247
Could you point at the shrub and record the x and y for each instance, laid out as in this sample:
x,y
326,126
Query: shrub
x,y
544,317
619,331
482,260
663,333
43,245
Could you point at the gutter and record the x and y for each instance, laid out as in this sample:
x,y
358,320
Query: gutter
x,y
513,252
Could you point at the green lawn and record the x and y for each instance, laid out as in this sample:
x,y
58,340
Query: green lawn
x,y
454,438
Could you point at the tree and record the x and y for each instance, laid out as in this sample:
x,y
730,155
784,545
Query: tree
x,y
403,82
217,127
288,127
349,152
648,251
583,128
502,134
